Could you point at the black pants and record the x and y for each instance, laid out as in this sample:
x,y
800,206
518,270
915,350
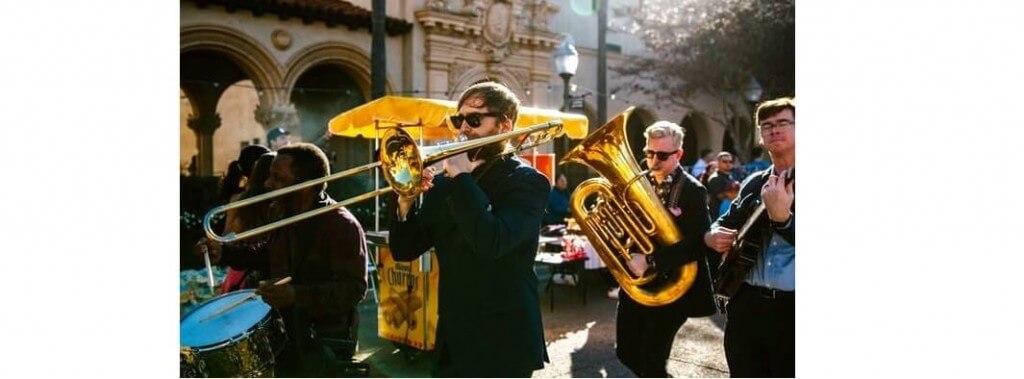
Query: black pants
x,y
760,335
644,336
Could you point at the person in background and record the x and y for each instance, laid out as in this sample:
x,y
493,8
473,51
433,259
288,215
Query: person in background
x,y
245,218
278,138
706,157
757,162
719,181
558,202
730,196
236,178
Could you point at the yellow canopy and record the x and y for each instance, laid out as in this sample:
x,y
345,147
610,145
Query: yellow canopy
x,y
432,115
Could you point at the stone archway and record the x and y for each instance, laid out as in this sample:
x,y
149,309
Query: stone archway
x,y
352,59
515,82
258,65
212,58
638,121
695,127
319,93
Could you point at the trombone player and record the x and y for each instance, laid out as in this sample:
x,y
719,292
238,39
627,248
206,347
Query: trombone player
x,y
644,334
325,255
482,216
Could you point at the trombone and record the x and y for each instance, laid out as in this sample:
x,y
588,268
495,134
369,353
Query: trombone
x,y
401,162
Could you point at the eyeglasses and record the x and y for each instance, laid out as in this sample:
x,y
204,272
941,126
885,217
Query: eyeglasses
x,y
727,161
473,119
768,125
662,155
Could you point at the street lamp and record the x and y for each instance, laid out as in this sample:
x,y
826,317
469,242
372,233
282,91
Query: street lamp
x,y
753,91
566,62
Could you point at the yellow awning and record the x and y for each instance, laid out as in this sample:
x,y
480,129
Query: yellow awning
x,y
432,115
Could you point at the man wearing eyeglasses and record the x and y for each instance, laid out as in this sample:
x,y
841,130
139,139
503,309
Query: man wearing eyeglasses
x,y
482,217
644,335
760,332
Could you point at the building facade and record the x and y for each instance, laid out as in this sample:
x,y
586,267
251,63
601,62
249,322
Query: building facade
x,y
248,66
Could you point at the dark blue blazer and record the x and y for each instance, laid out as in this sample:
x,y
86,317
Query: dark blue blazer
x,y
484,228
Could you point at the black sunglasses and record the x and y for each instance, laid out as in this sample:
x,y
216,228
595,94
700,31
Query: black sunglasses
x,y
473,119
662,155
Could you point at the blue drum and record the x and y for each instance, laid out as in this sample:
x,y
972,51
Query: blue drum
x,y
240,342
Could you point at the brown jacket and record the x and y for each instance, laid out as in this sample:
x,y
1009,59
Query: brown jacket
x,y
326,258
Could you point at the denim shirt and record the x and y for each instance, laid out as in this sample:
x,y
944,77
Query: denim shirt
x,y
776,267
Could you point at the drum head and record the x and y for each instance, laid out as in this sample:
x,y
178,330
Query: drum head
x,y
197,331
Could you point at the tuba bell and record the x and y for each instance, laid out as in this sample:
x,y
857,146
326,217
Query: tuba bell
x,y
627,216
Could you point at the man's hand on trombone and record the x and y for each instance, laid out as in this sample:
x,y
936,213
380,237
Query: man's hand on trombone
x,y
426,183
459,164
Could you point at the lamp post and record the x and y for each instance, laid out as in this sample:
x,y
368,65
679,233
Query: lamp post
x,y
753,91
566,62
752,94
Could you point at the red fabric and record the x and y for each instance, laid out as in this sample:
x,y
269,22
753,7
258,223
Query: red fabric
x,y
233,281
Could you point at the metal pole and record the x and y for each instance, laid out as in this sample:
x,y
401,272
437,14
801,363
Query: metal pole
x,y
602,64
565,93
378,59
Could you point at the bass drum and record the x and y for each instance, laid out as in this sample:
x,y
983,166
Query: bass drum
x,y
241,342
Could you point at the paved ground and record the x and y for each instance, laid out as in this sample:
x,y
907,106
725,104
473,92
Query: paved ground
x,y
580,339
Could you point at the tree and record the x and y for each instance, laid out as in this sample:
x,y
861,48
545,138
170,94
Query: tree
x,y
711,48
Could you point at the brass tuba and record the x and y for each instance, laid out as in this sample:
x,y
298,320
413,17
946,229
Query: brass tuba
x,y
627,216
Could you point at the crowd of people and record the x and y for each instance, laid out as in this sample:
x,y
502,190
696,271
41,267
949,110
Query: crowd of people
x,y
482,214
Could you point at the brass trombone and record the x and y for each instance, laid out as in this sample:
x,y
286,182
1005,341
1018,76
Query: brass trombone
x,y
402,163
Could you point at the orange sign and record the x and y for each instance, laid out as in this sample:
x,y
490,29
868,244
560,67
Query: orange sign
x,y
543,162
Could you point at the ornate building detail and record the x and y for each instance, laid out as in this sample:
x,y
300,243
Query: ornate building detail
x,y
277,116
456,71
498,24
536,14
521,76
281,39
470,39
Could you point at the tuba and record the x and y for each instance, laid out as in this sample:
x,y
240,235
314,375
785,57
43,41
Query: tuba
x,y
627,216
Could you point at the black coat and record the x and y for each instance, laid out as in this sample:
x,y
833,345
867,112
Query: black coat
x,y
749,197
693,221
484,228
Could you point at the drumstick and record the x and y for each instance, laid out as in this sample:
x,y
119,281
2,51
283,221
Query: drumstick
x,y
238,302
209,269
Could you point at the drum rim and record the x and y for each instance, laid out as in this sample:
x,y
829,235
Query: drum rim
x,y
231,340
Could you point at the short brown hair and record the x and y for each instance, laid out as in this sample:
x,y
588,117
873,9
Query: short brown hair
x,y
771,107
497,98
308,162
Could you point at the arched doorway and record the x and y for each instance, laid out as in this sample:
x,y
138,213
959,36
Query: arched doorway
x,y
728,144
637,123
220,99
691,141
320,93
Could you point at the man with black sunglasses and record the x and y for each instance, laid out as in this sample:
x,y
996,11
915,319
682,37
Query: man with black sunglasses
x,y
760,333
482,217
644,334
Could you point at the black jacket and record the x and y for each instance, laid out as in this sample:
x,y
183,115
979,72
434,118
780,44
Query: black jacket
x,y
693,221
740,210
484,228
